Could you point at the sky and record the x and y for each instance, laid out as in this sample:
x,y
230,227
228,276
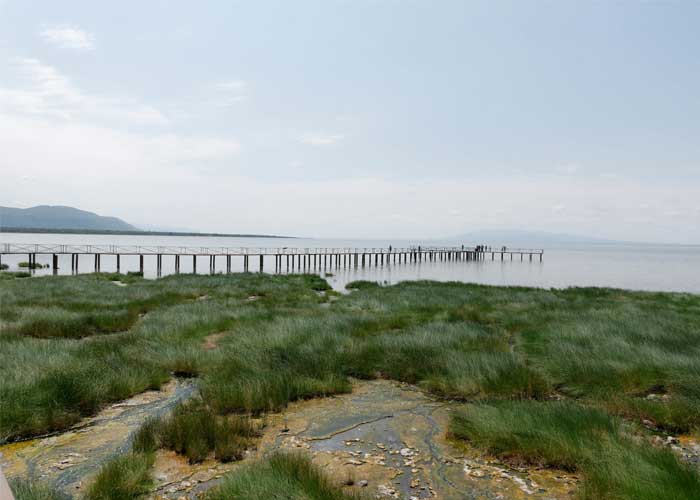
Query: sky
x,y
364,118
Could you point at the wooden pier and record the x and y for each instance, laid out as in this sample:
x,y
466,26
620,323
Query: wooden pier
x,y
285,259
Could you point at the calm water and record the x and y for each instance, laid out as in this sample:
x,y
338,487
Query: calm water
x,y
631,266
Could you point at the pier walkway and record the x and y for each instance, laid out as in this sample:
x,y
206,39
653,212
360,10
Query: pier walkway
x,y
292,258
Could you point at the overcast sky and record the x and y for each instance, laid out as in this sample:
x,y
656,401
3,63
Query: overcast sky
x,y
357,118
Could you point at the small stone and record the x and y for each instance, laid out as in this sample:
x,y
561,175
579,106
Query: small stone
x,y
362,483
406,452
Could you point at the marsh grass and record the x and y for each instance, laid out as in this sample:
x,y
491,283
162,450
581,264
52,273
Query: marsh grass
x,y
280,476
123,478
4,267
361,285
29,490
70,345
34,265
571,437
193,430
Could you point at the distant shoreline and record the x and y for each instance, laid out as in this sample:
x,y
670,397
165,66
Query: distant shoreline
x,y
134,233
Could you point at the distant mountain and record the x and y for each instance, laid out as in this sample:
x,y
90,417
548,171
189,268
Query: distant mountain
x,y
59,217
520,237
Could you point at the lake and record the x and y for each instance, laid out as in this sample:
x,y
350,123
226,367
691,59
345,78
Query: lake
x,y
631,266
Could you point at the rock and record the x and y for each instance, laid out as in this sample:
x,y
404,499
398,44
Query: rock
x,y
362,483
386,491
406,452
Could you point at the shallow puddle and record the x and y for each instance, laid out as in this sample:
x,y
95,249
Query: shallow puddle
x,y
66,460
389,440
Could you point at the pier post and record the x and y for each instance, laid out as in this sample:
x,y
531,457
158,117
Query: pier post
x,y
261,263
141,263
118,263
194,264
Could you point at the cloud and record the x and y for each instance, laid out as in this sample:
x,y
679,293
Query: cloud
x,y
321,139
44,91
68,37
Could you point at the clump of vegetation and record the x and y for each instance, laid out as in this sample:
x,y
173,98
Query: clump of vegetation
x,y
361,285
4,267
17,274
195,431
280,476
32,265
572,437
123,478
29,490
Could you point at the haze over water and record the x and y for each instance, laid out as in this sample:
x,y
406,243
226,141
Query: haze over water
x,y
651,267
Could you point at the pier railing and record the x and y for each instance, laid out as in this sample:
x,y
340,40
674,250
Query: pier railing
x,y
24,248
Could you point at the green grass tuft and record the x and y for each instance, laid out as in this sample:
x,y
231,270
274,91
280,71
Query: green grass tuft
x,y
194,431
280,476
569,436
28,490
123,478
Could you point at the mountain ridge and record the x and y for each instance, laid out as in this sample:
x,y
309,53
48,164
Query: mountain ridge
x,y
59,217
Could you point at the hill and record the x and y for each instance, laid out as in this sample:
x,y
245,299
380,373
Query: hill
x,y
59,217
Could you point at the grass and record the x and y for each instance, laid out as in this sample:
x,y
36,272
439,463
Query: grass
x,y
27,490
70,345
194,431
32,265
281,476
123,478
569,436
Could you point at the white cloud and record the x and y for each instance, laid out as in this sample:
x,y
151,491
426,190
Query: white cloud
x,y
45,92
68,37
321,139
